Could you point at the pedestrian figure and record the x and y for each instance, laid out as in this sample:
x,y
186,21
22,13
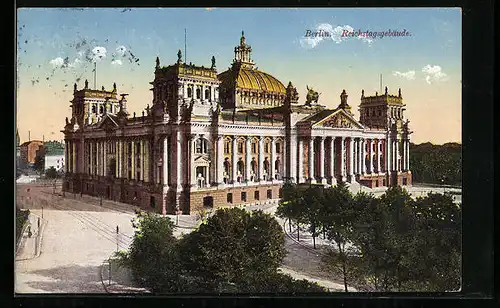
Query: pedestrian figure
x,y
117,230
38,223
29,231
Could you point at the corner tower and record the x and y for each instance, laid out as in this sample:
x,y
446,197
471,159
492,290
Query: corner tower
x,y
88,106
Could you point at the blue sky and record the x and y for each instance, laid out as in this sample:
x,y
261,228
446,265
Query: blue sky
x,y
432,52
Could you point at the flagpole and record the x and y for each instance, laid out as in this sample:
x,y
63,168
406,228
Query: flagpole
x,y
95,69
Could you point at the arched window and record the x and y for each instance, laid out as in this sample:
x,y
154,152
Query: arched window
x,y
94,108
101,109
190,92
207,94
198,93
240,147
201,146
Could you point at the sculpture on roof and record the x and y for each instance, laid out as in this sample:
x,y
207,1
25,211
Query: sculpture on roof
x,y
213,62
312,96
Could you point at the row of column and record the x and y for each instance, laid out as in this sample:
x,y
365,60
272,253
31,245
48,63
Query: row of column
x,y
125,155
247,160
193,87
356,156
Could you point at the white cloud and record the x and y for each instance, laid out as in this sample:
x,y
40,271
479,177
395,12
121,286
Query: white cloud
x,y
325,32
116,62
120,50
410,75
57,62
434,74
98,53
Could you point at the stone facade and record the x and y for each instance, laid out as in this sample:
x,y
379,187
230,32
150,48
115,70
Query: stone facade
x,y
198,147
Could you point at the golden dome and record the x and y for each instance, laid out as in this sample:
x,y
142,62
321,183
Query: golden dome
x,y
252,79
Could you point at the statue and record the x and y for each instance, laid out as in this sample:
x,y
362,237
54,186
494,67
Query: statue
x,y
157,62
114,86
67,122
74,87
399,92
86,84
102,88
179,56
213,62
147,110
312,96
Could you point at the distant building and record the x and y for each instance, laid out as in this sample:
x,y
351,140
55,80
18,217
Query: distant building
x,y
29,150
54,155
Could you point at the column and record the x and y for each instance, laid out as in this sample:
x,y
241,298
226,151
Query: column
x,y
165,165
234,159
342,159
363,157
379,155
311,161
146,160
360,153
388,155
220,160
273,158
370,156
105,158
322,160
300,167
398,167
261,158
291,166
133,160
351,160
73,156
408,154
97,160
248,168
179,162
333,179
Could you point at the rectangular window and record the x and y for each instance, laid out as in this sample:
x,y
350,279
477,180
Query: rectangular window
x,y
254,148
278,148
243,196
240,147
269,194
266,148
229,198
256,195
226,147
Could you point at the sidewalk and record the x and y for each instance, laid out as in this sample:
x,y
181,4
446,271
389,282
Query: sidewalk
x,y
30,246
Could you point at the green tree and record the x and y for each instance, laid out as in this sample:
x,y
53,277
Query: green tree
x,y
232,243
337,219
436,247
276,282
39,163
153,255
293,206
51,173
314,206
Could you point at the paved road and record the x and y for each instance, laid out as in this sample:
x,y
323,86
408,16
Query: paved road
x,y
77,238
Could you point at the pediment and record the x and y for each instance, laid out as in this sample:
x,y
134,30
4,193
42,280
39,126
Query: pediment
x,y
201,160
107,122
339,119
